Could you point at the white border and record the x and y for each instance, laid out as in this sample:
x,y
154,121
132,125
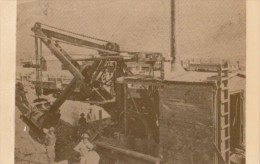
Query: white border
x,y
7,80
253,76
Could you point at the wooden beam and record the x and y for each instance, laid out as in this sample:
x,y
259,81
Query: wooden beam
x,y
219,154
125,108
127,152
59,53
65,93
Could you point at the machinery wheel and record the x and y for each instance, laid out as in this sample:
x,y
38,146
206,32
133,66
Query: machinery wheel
x,y
112,46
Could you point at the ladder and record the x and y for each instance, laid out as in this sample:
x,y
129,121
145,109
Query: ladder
x,y
223,112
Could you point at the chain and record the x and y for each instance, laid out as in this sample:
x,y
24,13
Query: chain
x,y
85,36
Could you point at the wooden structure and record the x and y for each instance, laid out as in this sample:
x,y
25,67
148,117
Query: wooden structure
x,y
187,122
223,113
193,117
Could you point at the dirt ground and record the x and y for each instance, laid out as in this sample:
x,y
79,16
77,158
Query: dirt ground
x,y
29,147
27,150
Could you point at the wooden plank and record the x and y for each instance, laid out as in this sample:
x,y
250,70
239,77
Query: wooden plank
x,y
129,152
186,123
219,154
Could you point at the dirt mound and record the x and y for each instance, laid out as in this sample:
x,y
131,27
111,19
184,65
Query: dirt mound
x,y
26,149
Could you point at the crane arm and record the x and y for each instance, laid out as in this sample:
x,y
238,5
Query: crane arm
x,y
47,36
102,46
61,54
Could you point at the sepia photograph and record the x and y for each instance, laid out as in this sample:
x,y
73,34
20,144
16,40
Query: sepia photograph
x,y
130,82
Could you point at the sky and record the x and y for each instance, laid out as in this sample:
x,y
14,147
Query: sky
x,y
24,1
203,28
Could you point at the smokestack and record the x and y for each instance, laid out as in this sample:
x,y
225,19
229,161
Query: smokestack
x,y
175,64
173,68
173,53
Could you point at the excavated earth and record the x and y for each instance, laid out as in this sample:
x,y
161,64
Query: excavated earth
x,y
29,147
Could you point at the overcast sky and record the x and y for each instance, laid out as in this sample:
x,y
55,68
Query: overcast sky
x,y
24,1
204,28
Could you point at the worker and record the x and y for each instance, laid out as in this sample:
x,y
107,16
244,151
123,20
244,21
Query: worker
x,y
91,116
50,141
87,154
82,120
82,123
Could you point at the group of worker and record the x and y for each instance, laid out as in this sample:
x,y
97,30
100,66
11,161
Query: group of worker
x,y
90,117
85,147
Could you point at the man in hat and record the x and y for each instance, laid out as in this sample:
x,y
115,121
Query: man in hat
x,y
82,123
50,141
82,120
91,116
85,148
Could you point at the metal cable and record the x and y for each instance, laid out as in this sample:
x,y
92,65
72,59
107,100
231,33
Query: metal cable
x,y
85,36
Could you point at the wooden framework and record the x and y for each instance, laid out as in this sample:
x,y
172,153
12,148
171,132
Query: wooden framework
x,y
223,113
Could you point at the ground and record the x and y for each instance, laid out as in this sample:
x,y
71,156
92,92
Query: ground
x,y
27,150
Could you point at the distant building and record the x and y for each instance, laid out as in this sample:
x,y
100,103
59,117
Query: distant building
x,y
209,65
50,62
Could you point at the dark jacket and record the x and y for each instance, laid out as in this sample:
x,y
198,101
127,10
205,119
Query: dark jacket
x,y
82,121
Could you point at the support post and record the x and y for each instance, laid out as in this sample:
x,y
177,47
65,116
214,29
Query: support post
x,y
100,117
125,108
40,65
38,89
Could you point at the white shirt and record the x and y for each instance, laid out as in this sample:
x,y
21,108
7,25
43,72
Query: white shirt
x,y
84,148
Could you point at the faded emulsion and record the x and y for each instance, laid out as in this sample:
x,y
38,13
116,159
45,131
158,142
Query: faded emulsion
x,y
130,81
